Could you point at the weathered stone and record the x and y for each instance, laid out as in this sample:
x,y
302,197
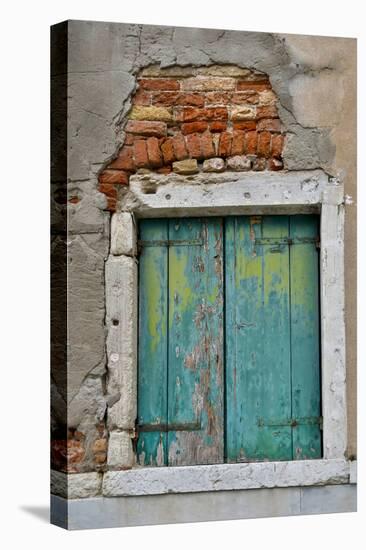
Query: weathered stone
x,y
225,477
353,472
140,112
158,84
85,331
121,320
76,485
239,163
203,83
243,113
123,234
185,167
266,97
120,451
214,165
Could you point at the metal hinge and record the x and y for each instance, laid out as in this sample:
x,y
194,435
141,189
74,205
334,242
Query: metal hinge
x,y
170,242
291,422
288,241
164,427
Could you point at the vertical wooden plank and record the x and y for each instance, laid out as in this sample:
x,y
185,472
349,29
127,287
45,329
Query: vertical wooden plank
x,y
195,349
276,346
304,274
258,379
153,318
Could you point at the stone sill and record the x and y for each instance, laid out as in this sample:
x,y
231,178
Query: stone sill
x,y
198,479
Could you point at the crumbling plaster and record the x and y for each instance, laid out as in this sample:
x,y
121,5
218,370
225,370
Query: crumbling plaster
x,y
103,61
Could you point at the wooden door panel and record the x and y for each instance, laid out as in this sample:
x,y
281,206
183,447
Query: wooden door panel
x,y
192,273
153,335
305,344
258,381
272,338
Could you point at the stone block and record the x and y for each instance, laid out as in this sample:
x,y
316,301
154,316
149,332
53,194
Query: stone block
x,y
214,165
208,83
123,234
120,451
185,167
239,163
243,113
140,112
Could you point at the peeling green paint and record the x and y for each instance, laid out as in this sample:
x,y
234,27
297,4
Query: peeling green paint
x,y
271,340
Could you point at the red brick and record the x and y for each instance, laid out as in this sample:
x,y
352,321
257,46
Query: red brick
x,y
108,189
238,98
207,145
124,161
158,84
251,143
238,143
218,126
275,164
153,152
188,114
74,199
269,124
179,146
277,145
267,111
168,151
264,144
129,139
164,99
225,144
75,452
245,125
164,170
141,98
192,127
216,113
194,146
195,100
256,86
217,98
111,204
140,153
147,128
114,176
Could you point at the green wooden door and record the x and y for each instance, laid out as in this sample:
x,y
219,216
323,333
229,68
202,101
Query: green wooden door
x,y
180,390
264,402
272,338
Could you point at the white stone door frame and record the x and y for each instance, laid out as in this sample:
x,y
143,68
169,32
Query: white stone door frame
x,y
152,196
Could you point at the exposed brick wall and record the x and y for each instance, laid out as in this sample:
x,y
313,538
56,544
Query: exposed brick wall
x,y
80,452
223,113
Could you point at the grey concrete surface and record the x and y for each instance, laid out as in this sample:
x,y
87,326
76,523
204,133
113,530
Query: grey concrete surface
x,y
94,513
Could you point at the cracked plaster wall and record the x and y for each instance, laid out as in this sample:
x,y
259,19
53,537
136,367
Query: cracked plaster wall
x,y
315,81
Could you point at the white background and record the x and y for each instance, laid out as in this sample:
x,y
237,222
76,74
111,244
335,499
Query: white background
x,y
24,313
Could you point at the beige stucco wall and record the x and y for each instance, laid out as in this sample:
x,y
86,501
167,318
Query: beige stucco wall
x,y
327,97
